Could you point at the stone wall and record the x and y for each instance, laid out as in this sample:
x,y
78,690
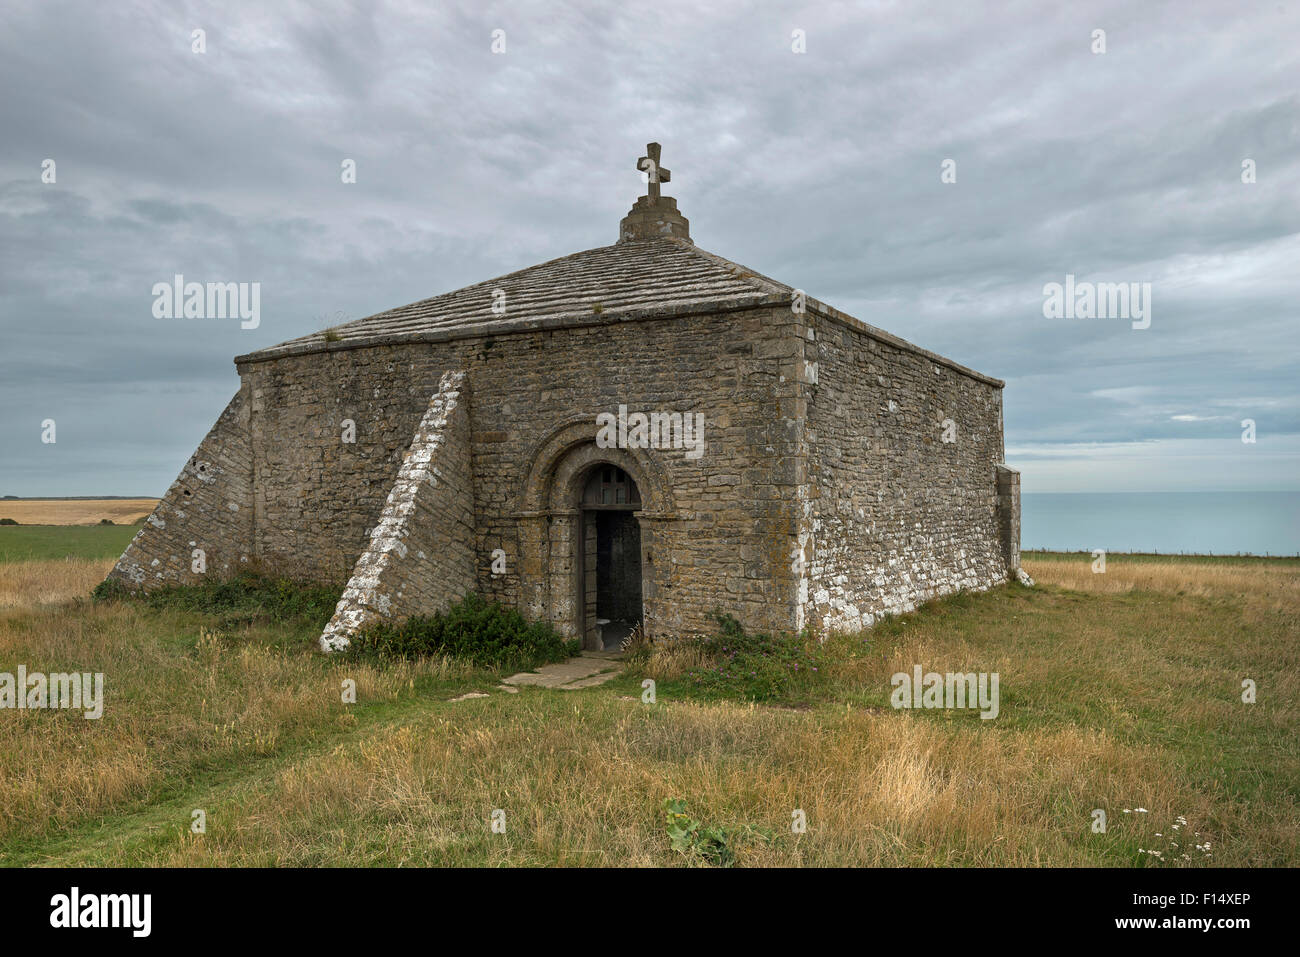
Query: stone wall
x,y
894,513
826,495
721,533
203,526
1008,484
421,552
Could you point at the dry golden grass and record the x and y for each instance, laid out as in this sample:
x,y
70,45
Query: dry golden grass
x,y
1277,584
175,701
1118,691
669,658
31,584
120,511
877,789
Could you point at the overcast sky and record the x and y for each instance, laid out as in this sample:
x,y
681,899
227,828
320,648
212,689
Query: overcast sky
x,y
820,169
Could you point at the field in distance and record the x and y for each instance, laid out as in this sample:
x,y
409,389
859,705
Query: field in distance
x,y
62,529
81,511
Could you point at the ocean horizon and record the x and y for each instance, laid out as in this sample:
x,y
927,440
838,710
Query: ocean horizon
x,y
1201,523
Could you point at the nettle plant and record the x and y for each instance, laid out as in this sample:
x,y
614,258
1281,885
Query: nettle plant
x,y
694,841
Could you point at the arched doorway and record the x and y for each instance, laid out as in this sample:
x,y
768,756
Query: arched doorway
x,y
611,588
553,530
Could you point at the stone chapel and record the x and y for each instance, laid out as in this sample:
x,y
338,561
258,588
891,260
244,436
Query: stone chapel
x,y
639,433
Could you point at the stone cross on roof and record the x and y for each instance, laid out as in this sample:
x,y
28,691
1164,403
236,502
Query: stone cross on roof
x,y
653,216
649,164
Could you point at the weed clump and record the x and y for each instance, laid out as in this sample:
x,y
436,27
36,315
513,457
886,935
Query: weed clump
x,y
754,667
484,633
245,598
693,840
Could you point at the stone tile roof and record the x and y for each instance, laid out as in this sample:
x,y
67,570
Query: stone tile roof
x,y
656,276
626,281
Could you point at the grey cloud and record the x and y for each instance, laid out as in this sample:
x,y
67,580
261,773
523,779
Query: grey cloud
x,y
821,170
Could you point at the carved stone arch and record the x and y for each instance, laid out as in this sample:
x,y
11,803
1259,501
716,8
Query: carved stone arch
x,y
561,458
550,516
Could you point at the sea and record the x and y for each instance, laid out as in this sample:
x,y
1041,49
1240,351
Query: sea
x,y
1202,523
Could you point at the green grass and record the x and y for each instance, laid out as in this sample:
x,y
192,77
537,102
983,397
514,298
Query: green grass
x,y
243,600
473,630
1118,691
20,543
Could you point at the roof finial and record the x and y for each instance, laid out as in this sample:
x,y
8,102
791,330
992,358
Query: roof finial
x,y
656,174
653,216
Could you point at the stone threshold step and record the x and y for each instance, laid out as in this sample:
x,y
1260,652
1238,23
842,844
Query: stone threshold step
x,y
588,669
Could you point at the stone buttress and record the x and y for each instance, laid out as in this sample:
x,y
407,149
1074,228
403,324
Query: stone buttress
x,y
421,552
204,524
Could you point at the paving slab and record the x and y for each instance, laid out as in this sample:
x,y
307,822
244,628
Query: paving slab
x,y
584,671
591,681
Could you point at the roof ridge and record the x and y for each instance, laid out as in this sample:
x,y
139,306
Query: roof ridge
x,y
475,285
763,283
737,271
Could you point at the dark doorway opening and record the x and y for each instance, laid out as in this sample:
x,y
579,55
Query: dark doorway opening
x,y
618,576
612,558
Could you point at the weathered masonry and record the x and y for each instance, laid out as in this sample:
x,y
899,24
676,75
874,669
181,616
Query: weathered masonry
x,y
797,467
